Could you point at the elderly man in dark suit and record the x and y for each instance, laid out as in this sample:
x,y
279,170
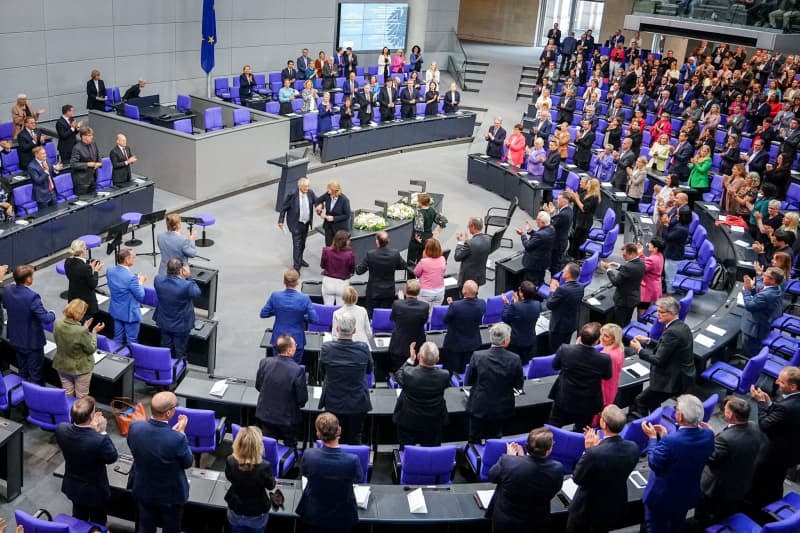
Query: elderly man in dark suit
x,y
760,309
161,455
29,138
729,470
472,251
577,395
463,319
522,314
122,158
671,359
87,449
525,484
174,315
328,502
538,246
564,304
420,411
344,363
493,375
381,263
298,212
26,319
627,279
282,391
561,220
625,160
779,422
387,98
41,174
602,476
409,316
681,156
495,138
84,162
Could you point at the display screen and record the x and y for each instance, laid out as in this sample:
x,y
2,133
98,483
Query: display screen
x,y
372,26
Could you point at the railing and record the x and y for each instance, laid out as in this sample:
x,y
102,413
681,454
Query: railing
x,y
457,59
729,13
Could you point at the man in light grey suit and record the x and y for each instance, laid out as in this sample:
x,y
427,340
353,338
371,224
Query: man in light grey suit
x,y
172,244
472,252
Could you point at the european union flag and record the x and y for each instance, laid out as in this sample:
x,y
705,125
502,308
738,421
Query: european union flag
x,y
209,36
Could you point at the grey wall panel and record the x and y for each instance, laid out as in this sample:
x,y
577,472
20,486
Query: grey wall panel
x,y
71,77
28,49
188,35
294,9
193,86
144,12
89,14
257,9
153,68
144,39
310,30
28,15
192,10
260,58
26,80
257,32
79,44
224,34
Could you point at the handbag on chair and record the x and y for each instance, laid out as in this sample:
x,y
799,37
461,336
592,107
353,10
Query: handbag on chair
x,y
126,413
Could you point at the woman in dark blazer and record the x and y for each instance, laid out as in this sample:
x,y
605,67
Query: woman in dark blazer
x,y
96,92
432,100
730,155
246,84
336,212
346,114
551,166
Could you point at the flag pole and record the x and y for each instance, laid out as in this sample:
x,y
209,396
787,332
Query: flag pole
x,y
208,85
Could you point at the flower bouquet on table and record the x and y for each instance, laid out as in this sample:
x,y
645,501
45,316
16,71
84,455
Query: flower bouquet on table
x,y
367,221
400,211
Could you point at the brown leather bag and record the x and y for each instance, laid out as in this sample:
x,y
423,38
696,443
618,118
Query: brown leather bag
x,y
126,413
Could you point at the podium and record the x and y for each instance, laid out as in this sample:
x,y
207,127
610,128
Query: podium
x,y
206,279
508,273
292,169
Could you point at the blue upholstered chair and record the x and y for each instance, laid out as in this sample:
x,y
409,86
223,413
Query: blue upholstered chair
x,y
47,407
64,190
213,118
381,322
482,457
423,465
155,366
733,379
203,430
567,447
324,320
183,125
24,204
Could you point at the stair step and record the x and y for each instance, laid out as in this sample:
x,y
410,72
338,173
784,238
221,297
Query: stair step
x,y
475,71
473,108
529,76
471,90
473,80
527,84
476,62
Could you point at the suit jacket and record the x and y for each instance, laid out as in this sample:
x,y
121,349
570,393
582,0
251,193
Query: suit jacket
x,y
25,145
328,498
421,405
409,317
67,137
246,87
493,374
281,384
680,160
577,388
583,149
345,363
347,90
544,128
26,317
287,74
525,486
564,305
175,311
602,478
367,102
562,224
92,93
729,470
42,181
449,97
628,280
121,170
83,177
126,294
381,264
160,457
675,237
290,211
384,98
406,98
566,110
538,247
760,309
758,163
292,310
82,282
86,454
494,147
522,317
172,244
472,254
626,160
463,319
779,425
671,359
676,464
133,92
340,212
551,164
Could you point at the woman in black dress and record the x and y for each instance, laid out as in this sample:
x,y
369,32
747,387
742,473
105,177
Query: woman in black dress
x,y
432,100
586,201
346,114
730,155
425,217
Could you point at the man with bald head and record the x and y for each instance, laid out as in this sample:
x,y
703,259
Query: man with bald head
x,y
121,160
463,319
161,454
381,263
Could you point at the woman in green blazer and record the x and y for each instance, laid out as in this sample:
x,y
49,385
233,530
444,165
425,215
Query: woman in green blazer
x,y
700,165
75,347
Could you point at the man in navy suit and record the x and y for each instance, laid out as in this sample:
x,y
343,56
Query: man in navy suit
x,y
289,73
564,304
538,247
681,155
328,502
175,312
67,130
522,315
561,220
304,66
676,463
28,139
40,172
127,293
298,212
161,454
602,476
345,362
408,99
382,263
87,449
758,158
627,279
26,319
409,316
350,86
463,319
282,391
292,310
760,309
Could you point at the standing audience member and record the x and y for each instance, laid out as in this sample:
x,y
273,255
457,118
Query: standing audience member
x,y
611,341
297,212
250,477
493,375
521,315
282,391
650,290
161,455
338,265
67,129
75,347
292,311
586,201
430,273
82,276
26,319
564,304
676,463
41,175
121,157
175,312
127,294
425,216
463,318
381,263
538,245
421,412
87,449
350,307
29,139
761,308
84,162
345,363
676,231
173,243
495,138
409,315
328,502
96,92
472,251
334,208
627,278
561,220
20,112
525,484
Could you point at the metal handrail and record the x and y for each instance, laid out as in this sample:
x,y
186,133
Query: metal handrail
x,y
457,59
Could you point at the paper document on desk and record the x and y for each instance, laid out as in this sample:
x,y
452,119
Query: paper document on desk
x,y
138,181
211,475
605,184
327,337
593,301
484,498
737,229
79,203
381,342
722,218
719,332
21,222
450,281
98,356
620,194
708,342
145,310
646,220
542,325
712,207
219,388
743,244
569,488
740,299
316,392
49,346
637,370
362,493
101,298
399,391
416,502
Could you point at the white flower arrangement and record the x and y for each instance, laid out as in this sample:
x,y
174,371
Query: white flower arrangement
x,y
400,211
367,221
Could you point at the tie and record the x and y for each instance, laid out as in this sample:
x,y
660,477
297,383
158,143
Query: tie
x,y
124,153
49,179
90,149
303,208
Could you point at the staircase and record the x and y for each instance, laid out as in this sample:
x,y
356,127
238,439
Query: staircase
x,y
474,74
527,81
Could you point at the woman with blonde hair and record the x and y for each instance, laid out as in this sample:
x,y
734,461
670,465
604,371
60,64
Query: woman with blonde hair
x,y
660,152
398,61
432,74
309,96
791,219
75,347
250,477
586,201
430,272
611,340
363,328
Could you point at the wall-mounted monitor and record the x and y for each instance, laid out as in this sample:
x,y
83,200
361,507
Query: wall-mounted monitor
x,y
372,26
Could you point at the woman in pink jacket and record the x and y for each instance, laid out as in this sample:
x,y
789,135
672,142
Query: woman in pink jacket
x,y
650,289
516,146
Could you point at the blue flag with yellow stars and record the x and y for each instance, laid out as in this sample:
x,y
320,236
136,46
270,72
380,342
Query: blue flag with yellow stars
x,y
209,36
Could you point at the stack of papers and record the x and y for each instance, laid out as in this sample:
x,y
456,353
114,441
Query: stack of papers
x,y
620,194
737,229
416,502
708,342
569,488
98,356
362,493
484,498
21,222
719,332
637,370
316,392
646,220
49,346
450,281
219,388
381,342
712,207
79,203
